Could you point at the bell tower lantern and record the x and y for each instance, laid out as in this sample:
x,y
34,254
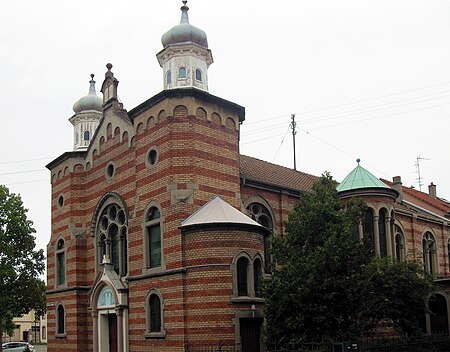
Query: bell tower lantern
x,y
185,58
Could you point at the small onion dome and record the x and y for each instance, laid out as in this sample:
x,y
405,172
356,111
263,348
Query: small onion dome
x,y
89,102
184,32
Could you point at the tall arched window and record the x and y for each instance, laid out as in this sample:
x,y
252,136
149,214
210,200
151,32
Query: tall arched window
x,y
168,77
429,252
182,73
112,237
242,276
198,75
368,230
257,276
60,320
153,252
60,263
382,233
262,216
86,135
399,244
154,315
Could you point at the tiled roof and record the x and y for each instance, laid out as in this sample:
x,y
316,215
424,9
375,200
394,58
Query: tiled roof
x,y
262,171
358,178
424,200
217,211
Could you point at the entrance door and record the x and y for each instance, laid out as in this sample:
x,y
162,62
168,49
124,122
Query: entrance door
x,y
112,327
250,329
438,315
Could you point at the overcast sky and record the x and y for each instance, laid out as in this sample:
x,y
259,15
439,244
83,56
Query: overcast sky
x,y
366,79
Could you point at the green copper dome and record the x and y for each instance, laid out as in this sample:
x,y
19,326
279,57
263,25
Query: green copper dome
x,y
360,178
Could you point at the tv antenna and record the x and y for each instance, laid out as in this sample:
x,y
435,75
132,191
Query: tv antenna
x,y
417,165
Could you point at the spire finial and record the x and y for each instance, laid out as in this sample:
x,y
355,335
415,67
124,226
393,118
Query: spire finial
x,y
109,66
92,86
184,13
358,160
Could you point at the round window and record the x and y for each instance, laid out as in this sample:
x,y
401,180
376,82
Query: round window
x,y
60,201
110,169
152,157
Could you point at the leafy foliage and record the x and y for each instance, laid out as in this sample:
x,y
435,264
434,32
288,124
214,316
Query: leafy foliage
x,y
20,264
329,286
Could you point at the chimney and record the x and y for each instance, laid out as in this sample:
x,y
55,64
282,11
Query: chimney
x,y
397,185
432,190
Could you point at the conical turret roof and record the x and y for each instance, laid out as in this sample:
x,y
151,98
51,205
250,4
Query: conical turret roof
x,y
217,211
360,178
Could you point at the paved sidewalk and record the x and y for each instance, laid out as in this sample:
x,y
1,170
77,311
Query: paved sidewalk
x,y
41,348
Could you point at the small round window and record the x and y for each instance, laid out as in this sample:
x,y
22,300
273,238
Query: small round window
x,y
152,157
110,170
61,201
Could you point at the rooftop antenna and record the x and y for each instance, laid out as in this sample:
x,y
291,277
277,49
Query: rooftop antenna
x,y
419,177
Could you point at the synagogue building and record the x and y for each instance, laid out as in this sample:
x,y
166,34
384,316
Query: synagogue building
x,y
160,228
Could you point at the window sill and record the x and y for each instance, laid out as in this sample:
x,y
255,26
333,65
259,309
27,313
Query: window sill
x,y
154,270
155,335
247,299
60,336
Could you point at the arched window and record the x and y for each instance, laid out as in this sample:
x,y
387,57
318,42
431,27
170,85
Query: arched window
x,y
198,75
429,253
382,233
262,216
60,263
242,276
168,77
154,313
257,276
399,244
368,231
86,135
76,137
448,252
182,73
112,237
60,320
153,237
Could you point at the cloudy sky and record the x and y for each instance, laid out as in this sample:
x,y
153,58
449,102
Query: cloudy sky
x,y
366,79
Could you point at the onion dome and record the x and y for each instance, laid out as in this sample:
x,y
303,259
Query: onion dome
x,y
184,32
89,102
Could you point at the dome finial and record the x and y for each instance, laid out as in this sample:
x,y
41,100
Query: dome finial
x,y
92,85
184,13
358,160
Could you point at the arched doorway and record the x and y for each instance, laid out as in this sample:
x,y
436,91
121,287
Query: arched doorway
x,y
109,311
438,314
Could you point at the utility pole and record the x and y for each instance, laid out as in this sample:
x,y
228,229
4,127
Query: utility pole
x,y
294,132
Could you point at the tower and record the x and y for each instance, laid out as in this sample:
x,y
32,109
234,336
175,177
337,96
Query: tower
x,y
185,58
88,111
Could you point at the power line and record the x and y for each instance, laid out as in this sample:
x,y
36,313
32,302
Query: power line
x,y
359,101
273,160
22,172
21,183
382,116
23,161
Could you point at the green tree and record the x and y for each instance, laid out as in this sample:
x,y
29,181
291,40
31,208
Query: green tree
x,y
327,285
20,264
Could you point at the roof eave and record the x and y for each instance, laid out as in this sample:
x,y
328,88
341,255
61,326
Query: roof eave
x,y
187,92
